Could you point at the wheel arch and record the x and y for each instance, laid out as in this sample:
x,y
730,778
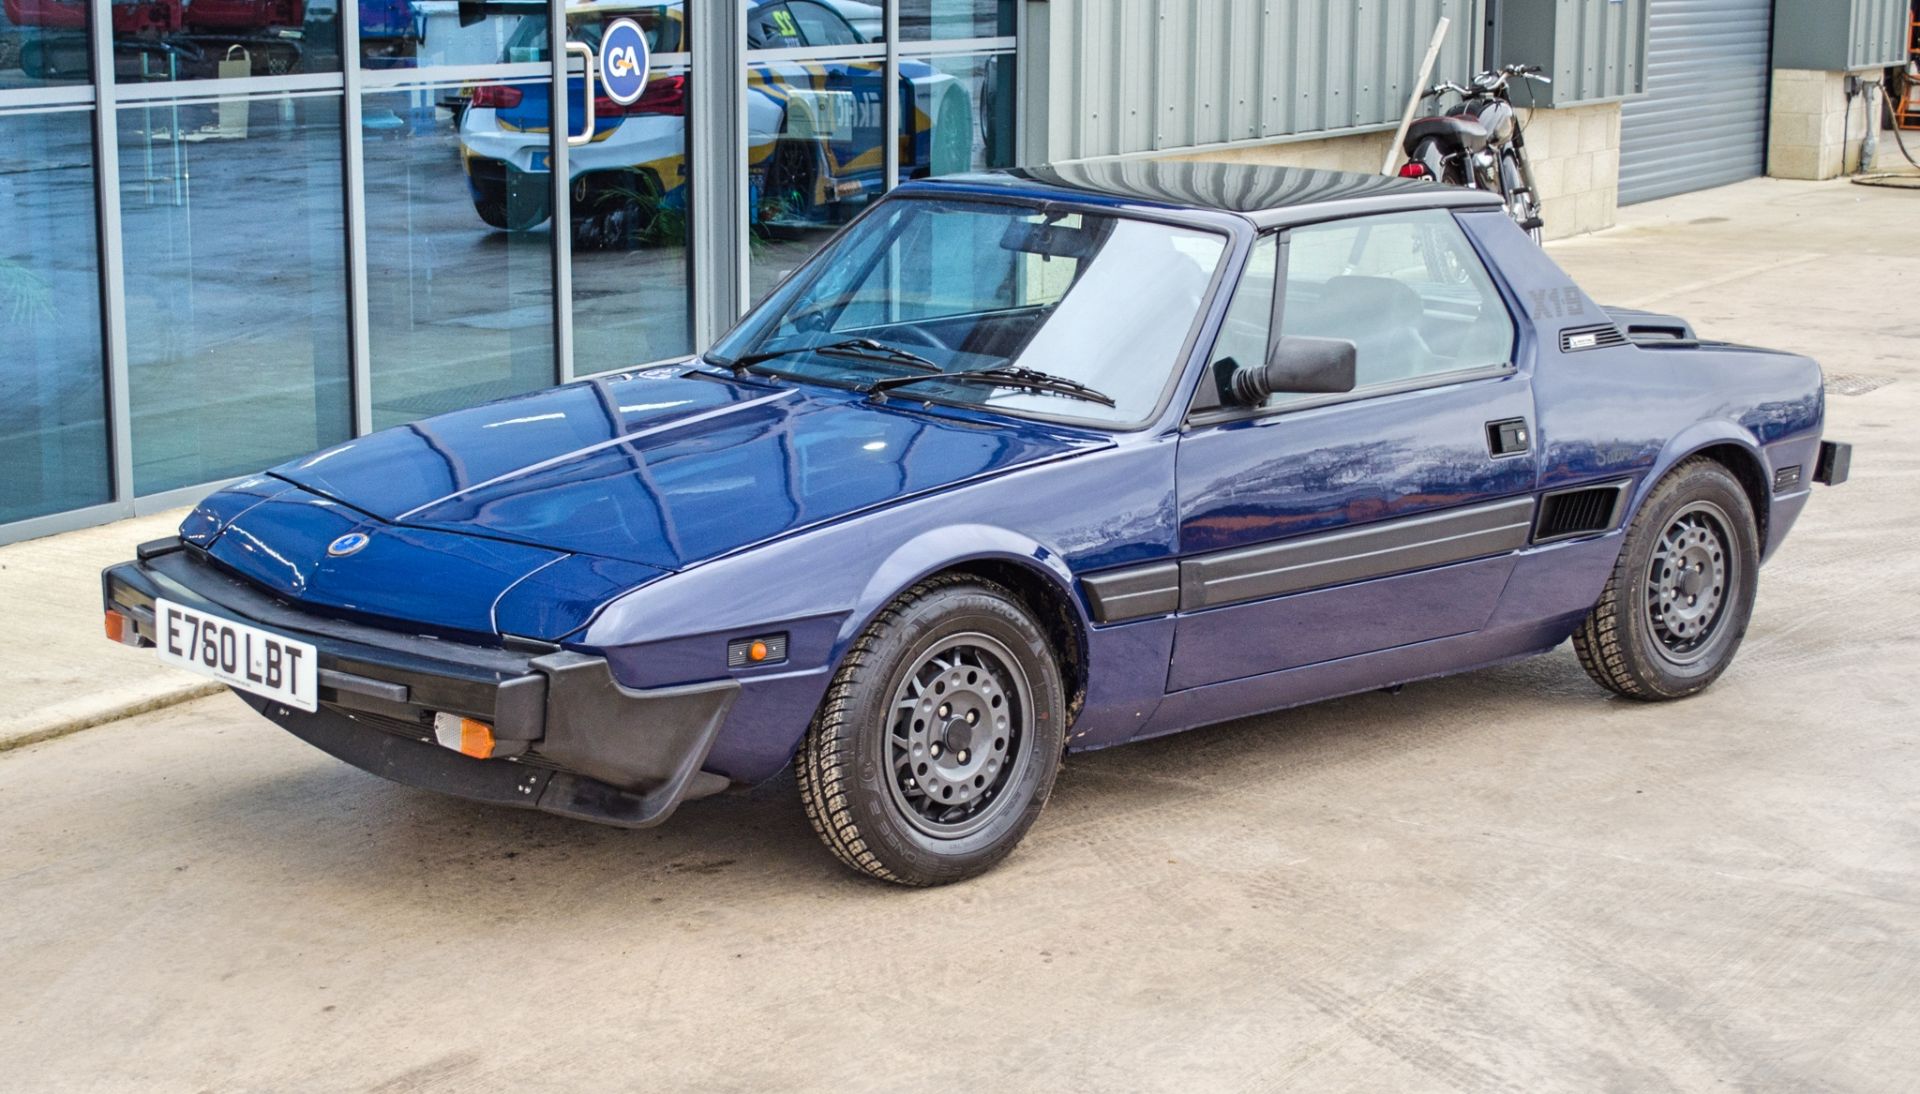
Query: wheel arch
x,y
1732,448
1036,576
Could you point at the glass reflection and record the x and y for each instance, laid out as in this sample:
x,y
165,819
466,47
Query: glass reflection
x,y
53,431
221,39
43,42
921,20
816,137
458,313
628,192
972,128
235,284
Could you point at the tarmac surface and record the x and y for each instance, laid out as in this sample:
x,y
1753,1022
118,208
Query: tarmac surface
x,y
1503,881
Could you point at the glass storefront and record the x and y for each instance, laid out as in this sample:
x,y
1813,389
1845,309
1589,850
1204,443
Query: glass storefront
x,y
239,230
235,284
53,405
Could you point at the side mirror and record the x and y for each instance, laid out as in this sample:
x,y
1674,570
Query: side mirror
x,y
1298,365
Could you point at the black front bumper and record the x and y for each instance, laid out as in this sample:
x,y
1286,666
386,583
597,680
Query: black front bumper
x,y
568,737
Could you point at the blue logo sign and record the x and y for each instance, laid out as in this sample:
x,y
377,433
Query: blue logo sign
x,y
624,61
347,544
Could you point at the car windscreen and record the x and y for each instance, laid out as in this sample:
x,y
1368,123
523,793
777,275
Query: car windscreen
x,y
1102,301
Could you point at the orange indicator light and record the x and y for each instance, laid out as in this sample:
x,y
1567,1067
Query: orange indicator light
x,y
757,651
464,735
116,627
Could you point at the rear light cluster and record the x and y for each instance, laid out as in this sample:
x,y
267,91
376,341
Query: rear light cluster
x,y
1413,170
496,97
664,95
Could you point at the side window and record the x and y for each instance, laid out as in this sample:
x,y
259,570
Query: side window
x,y
821,25
1243,335
773,27
1406,288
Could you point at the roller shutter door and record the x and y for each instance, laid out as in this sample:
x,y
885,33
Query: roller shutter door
x,y
1703,119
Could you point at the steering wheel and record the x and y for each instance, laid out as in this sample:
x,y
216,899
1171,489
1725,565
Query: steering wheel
x,y
922,337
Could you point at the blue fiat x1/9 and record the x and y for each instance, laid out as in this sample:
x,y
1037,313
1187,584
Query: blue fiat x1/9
x,y
1019,464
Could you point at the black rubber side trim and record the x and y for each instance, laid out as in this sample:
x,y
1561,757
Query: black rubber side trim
x,y
1356,554
1134,593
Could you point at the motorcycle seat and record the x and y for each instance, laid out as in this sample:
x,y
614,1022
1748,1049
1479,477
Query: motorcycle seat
x,y
1461,128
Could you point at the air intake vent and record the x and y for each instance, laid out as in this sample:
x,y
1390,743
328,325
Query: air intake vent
x,y
1581,511
1574,339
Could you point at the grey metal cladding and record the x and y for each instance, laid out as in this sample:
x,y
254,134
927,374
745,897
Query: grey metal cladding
x,y
1135,593
1113,77
1337,558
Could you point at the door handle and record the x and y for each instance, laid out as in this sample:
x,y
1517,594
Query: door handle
x,y
586,133
1508,437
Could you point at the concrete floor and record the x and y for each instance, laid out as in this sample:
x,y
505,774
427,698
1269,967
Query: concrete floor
x,y
1504,881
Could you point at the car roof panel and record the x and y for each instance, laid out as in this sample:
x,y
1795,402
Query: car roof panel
x,y
1268,196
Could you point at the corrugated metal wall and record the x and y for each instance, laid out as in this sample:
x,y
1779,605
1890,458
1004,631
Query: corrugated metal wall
x,y
1878,33
1839,35
1703,120
1593,49
1141,75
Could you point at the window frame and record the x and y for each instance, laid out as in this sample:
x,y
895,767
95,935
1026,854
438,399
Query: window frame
x,y
1205,409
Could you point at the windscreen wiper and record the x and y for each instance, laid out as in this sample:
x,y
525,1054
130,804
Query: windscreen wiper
x,y
868,348
1007,376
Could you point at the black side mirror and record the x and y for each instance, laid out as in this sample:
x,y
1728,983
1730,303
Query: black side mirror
x,y
1298,365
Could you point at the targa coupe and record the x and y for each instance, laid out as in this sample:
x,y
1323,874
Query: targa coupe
x,y
1019,464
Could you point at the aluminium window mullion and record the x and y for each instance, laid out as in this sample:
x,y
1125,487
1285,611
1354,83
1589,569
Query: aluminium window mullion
x,y
559,124
353,177
113,297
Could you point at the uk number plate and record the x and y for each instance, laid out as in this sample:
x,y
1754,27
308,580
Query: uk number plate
x,y
238,655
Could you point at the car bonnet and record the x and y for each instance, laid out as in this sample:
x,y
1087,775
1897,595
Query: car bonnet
x,y
667,469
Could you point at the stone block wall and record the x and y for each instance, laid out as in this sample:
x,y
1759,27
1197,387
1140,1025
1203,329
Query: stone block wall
x,y
1808,132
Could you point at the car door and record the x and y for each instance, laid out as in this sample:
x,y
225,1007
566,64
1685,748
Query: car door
x,y
1320,527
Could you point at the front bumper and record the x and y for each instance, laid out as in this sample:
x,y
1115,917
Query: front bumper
x,y
568,737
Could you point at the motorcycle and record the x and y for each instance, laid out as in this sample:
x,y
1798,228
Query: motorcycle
x,y
1480,143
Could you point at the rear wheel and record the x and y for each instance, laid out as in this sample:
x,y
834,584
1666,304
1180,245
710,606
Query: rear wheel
x,y
1676,608
511,200
940,736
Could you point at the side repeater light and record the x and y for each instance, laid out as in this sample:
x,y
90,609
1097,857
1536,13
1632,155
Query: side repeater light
x,y
768,649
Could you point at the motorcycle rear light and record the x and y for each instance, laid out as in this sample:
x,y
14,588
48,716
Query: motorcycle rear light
x,y
1412,170
496,97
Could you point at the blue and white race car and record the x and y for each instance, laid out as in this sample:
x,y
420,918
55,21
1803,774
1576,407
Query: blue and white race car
x,y
816,129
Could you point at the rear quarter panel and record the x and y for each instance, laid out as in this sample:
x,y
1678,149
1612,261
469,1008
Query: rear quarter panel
x,y
1630,411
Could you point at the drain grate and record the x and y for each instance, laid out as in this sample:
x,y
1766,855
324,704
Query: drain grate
x,y
1848,384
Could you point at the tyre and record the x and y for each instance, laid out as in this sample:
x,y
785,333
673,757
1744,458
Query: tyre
x,y
1525,211
507,199
950,145
1677,604
939,738
787,198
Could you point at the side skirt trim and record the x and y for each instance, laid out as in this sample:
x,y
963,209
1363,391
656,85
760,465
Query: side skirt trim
x,y
1318,561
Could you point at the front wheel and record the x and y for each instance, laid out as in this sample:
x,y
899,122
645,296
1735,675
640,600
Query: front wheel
x,y
939,738
1674,611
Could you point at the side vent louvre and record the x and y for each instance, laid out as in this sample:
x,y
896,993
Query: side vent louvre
x,y
1581,511
1575,339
